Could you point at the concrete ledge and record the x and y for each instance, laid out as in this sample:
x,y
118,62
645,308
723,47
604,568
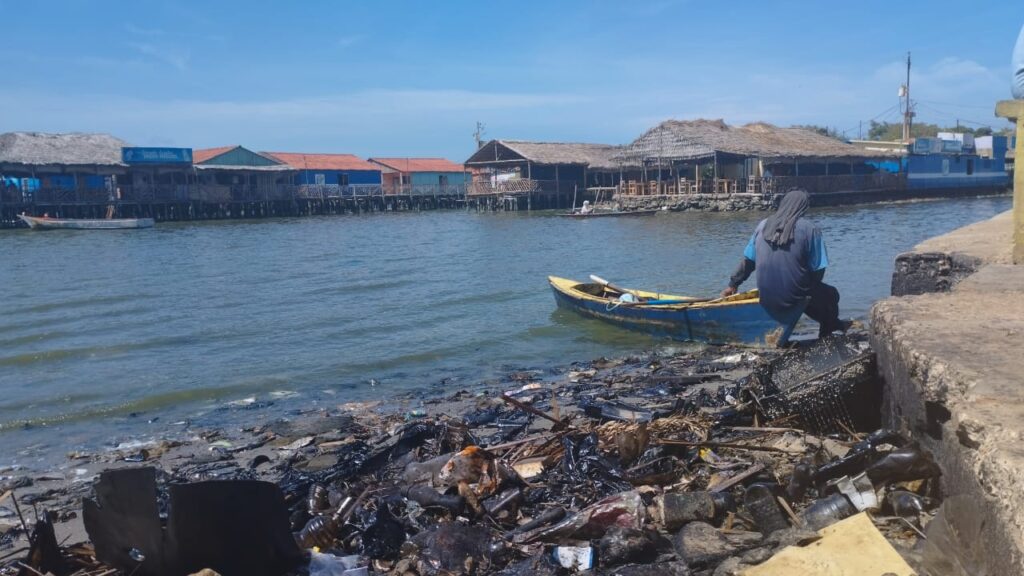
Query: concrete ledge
x,y
953,363
938,264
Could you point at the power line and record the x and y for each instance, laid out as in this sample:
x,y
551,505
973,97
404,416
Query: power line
x,y
956,117
956,105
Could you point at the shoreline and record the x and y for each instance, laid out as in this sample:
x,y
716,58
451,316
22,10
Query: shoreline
x,y
225,452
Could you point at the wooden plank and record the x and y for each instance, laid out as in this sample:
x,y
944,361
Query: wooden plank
x,y
726,484
1013,110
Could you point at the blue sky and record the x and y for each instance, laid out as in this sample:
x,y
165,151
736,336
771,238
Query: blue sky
x,y
412,78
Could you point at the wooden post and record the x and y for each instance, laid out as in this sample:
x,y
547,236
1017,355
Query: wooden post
x,y
1013,110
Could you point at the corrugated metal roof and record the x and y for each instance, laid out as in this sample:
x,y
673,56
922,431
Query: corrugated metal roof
x,y
235,168
203,154
420,164
301,161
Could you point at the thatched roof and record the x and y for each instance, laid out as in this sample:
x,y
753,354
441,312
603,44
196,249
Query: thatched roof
x,y
593,156
694,139
38,149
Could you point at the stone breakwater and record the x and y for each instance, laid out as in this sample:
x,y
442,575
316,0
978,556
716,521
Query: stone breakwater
x,y
700,202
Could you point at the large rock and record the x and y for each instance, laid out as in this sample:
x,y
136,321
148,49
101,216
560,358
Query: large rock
x,y
700,544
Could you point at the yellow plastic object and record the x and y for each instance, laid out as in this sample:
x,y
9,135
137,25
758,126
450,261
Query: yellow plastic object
x,y
850,547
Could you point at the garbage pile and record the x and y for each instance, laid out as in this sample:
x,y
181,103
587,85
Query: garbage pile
x,y
716,463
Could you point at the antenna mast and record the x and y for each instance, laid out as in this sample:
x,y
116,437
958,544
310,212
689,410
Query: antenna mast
x,y
908,107
478,135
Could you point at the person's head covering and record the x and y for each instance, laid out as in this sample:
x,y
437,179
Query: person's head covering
x,y
779,227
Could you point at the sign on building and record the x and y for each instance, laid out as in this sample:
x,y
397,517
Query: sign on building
x,y
139,155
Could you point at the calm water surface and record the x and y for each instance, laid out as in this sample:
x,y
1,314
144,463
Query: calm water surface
x,y
113,336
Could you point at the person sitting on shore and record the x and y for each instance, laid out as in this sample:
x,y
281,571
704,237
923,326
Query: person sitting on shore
x,y
1018,66
788,252
586,208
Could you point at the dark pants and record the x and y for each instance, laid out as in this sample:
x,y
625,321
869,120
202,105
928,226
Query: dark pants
x,y
824,309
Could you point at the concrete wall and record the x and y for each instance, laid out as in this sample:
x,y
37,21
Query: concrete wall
x,y
953,374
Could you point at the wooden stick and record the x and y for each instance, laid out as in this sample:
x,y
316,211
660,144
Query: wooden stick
x,y
725,485
761,429
852,434
912,527
729,445
24,526
30,569
532,410
510,444
789,511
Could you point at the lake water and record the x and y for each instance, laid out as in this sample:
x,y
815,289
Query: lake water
x,y
110,336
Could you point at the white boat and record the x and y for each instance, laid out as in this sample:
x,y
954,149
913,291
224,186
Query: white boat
x,y
47,223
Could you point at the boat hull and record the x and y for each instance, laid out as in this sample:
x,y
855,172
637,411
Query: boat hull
x,y
37,223
609,214
737,319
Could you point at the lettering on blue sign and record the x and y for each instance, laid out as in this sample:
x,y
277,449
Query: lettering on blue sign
x,y
137,155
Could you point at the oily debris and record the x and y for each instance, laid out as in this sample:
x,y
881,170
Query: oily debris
x,y
702,463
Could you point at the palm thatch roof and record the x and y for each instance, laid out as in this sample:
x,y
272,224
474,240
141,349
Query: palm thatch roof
x,y
75,149
593,156
695,139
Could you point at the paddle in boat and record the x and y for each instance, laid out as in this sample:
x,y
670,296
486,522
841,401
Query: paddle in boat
x,y
736,319
47,223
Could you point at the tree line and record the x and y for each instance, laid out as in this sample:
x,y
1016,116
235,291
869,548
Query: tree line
x,y
894,130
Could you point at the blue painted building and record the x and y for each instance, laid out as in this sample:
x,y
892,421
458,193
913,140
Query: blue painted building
x,y
422,175
952,163
343,173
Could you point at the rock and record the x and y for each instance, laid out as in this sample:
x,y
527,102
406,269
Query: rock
x,y
729,567
791,537
622,545
453,548
700,544
660,569
757,555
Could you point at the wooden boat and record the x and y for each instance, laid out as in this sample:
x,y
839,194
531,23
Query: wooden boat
x,y
46,223
607,213
735,319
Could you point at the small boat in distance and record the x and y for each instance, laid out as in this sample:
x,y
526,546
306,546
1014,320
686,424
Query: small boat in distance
x,y
735,319
47,223
606,213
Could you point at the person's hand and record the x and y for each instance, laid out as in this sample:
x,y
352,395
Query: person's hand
x,y
729,291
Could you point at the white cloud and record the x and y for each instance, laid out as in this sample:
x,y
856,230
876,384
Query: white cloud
x,y
170,57
141,31
346,41
372,121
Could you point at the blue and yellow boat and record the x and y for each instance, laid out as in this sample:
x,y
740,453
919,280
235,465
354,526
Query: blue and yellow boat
x,y
735,319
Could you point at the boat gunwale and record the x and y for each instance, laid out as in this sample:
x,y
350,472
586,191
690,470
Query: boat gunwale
x,y
70,223
567,286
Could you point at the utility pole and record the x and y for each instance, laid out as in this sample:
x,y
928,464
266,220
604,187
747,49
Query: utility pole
x,y
478,135
908,109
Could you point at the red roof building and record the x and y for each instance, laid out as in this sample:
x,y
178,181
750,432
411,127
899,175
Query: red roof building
x,y
410,165
420,175
302,161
